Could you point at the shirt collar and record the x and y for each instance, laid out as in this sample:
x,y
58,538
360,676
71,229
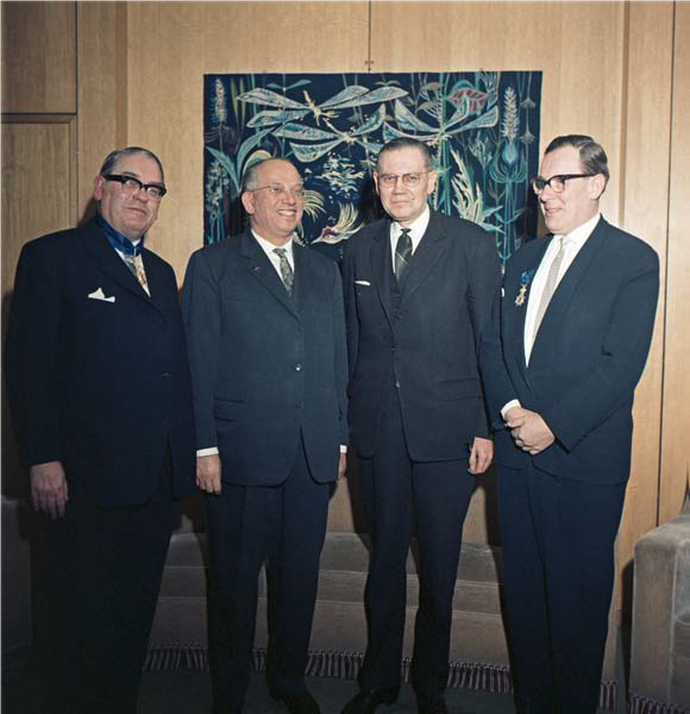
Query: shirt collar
x,y
417,227
579,235
268,247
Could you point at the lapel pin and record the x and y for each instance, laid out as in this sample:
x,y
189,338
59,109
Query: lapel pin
x,y
257,268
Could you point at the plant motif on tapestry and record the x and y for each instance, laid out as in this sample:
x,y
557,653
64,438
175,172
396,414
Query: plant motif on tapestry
x,y
482,129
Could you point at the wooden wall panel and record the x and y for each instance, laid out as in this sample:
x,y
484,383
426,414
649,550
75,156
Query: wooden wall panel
x,y
569,42
39,55
38,196
675,449
165,89
644,212
103,97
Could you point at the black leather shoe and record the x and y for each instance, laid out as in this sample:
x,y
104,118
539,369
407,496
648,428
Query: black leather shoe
x,y
299,703
366,702
431,703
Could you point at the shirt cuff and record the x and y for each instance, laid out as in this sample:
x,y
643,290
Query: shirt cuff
x,y
512,403
343,448
210,451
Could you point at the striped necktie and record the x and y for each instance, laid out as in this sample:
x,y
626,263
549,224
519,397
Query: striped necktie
x,y
286,272
403,251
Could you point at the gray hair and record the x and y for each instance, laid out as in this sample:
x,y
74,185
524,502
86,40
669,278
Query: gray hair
x,y
406,142
250,179
113,158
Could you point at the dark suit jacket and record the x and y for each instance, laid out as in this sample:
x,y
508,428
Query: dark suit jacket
x,y
266,365
428,347
101,386
589,354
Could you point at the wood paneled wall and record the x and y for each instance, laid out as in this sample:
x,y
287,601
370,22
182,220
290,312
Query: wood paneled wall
x,y
617,70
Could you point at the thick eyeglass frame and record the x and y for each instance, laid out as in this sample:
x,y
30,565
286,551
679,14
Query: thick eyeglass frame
x,y
277,190
132,185
539,183
410,180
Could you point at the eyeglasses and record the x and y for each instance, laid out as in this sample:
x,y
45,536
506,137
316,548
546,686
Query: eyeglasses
x,y
555,183
410,180
277,190
132,185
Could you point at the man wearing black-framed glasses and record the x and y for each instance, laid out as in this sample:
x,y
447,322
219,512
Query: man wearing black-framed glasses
x,y
99,386
570,333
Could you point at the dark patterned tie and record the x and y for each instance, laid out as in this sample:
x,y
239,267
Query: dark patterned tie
x,y
285,269
403,251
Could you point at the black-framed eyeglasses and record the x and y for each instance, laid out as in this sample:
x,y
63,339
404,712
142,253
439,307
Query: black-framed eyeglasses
x,y
555,183
132,185
410,180
277,190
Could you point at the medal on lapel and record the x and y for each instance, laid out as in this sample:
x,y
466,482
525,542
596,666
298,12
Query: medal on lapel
x,y
525,280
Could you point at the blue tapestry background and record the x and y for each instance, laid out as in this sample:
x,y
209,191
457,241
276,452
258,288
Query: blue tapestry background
x,y
482,128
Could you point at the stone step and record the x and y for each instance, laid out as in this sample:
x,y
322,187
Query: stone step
x,y
349,552
339,586
338,626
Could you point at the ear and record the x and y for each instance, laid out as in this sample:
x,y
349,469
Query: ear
x,y
376,183
431,183
248,201
98,184
597,186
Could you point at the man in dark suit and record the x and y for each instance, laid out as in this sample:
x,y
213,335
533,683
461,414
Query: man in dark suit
x,y
99,386
419,288
570,334
266,331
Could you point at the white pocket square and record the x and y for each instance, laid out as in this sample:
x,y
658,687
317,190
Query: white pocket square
x,y
362,282
100,295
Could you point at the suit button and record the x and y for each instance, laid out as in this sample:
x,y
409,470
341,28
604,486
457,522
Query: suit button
x,y
166,375
298,367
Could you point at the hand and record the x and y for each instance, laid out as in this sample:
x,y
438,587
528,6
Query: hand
x,y
530,432
208,473
49,492
481,455
342,466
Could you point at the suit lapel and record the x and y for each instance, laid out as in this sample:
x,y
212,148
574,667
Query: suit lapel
x,y
429,251
555,315
518,338
261,268
382,266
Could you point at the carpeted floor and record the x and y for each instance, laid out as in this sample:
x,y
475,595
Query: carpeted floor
x,y
188,692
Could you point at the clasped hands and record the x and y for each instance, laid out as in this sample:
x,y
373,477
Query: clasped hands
x,y
529,431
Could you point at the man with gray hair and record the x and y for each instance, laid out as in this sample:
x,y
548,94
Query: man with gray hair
x,y
419,287
99,386
569,338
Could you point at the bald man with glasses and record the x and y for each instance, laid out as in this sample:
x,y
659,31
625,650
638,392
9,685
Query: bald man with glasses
x,y
266,333
100,392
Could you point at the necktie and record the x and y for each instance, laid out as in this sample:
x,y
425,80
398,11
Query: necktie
x,y
403,251
286,272
550,285
136,266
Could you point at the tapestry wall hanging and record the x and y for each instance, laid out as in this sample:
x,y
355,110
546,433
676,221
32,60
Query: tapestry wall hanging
x,y
482,129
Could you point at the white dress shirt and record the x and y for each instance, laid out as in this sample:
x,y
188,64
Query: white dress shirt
x,y
574,242
417,229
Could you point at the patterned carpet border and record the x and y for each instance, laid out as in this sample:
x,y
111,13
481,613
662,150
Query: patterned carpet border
x,y
641,705
336,664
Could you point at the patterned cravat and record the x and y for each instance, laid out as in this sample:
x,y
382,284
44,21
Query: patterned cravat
x,y
403,251
136,267
285,269
550,285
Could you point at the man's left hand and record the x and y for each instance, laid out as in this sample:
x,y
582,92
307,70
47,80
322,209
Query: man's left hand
x,y
530,432
481,455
